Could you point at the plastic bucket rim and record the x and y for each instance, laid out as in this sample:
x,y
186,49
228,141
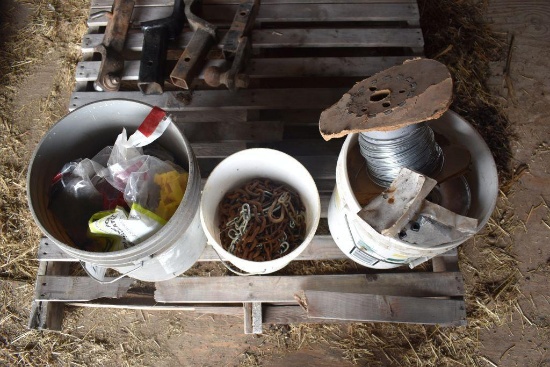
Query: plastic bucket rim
x,y
235,260
343,182
145,249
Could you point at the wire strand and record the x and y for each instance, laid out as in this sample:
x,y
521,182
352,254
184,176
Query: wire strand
x,y
413,147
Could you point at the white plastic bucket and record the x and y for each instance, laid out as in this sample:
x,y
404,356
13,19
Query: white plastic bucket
x,y
366,246
242,167
84,132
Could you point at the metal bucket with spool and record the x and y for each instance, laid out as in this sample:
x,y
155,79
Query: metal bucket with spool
x,y
475,193
84,132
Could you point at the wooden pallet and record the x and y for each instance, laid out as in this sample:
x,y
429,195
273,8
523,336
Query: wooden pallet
x,y
430,297
306,54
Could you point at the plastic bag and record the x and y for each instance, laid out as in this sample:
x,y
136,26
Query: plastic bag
x,y
124,195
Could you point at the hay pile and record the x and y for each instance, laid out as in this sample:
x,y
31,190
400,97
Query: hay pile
x,y
46,29
455,34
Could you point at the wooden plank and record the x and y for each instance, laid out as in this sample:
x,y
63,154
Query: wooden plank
x,y
136,301
252,131
203,100
314,146
217,150
252,317
321,66
310,38
360,67
293,314
49,251
223,14
446,262
282,314
60,288
345,37
209,116
106,4
366,12
274,289
378,308
322,247
124,305
293,147
320,167
46,315
289,314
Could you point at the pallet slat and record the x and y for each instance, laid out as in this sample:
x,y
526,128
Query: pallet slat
x,y
265,289
60,288
322,247
297,38
249,131
252,318
250,99
106,4
46,315
222,14
322,167
360,67
281,289
221,149
376,307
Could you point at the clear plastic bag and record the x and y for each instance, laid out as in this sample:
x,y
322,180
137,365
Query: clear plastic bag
x,y
79,191
121,196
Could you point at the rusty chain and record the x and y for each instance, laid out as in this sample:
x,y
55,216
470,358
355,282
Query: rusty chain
x,y
262,220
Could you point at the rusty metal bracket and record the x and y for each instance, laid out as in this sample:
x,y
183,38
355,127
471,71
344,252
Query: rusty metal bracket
x,y
216,76
235,49
240,27
112,46
156,33
193,57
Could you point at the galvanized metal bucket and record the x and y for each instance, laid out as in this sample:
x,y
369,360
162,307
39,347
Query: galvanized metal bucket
x,y
84,132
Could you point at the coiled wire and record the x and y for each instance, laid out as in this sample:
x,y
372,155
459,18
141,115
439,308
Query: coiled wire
x,y
413,147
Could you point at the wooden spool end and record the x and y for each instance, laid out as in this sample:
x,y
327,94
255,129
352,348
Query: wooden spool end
x,y
416,91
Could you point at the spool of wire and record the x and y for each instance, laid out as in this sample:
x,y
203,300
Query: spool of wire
x,y
413,147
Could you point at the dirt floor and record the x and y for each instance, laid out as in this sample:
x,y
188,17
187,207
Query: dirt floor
x,y
508,307
525,92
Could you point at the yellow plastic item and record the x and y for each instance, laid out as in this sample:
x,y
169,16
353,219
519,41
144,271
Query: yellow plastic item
x,y
172,188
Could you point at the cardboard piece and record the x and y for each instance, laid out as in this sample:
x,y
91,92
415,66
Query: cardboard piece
x,y
416,91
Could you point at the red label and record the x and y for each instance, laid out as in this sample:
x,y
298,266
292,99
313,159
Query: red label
x,y
149,125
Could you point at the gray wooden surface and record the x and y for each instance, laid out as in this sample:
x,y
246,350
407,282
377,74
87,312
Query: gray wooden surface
x,y
46,315
222,14
375,307
282,289
322,247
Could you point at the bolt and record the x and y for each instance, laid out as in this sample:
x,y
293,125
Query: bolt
x,y
402,234
415,226
242,81
111,82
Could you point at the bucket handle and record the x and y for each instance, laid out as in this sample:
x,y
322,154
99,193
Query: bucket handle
x,y
224,263
101,280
